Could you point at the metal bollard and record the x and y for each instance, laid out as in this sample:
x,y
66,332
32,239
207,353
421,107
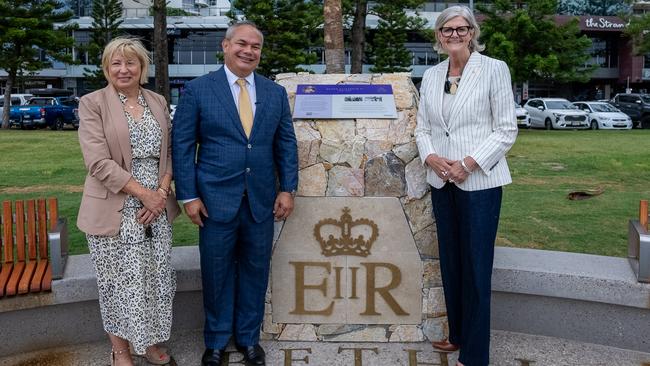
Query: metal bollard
x,y
58,242
639,250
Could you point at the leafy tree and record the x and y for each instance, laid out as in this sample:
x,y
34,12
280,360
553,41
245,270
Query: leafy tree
x,y
107,17
29,41
532,44
388,51
637,29
333,37
289,28
593,7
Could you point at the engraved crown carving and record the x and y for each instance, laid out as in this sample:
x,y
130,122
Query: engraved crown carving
x,y
345,244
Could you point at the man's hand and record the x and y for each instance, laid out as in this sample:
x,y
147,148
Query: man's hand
x,y
283,206
194,209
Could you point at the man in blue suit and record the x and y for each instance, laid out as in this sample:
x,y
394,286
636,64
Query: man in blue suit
x,y
232,137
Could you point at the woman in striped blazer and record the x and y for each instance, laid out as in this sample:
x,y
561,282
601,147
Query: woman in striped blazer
x,y
465,126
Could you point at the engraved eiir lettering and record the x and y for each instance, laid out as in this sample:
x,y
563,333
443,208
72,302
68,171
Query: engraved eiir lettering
x,y
288,356
524,362
301,287
413,359
358,353
353,282
384,292
337,276
229,361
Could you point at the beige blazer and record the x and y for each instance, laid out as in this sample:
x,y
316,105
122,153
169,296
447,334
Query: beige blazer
x,y
106,149
482,122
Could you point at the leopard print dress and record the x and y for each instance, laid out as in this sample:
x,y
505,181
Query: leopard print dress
x,y
135,278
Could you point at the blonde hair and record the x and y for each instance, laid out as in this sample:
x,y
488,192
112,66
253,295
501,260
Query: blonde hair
x,y
127,46
465,13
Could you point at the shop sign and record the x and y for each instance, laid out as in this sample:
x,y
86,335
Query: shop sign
x,y
610,23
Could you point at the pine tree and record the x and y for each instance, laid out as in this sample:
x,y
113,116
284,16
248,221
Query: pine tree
x,y
638,30
533,45
593,7
290,27
388,51
107,17
29,41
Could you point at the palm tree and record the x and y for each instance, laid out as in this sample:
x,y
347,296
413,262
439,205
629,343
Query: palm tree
x,y
334,45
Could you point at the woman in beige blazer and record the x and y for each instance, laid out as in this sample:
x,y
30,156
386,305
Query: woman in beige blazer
x,y
127,205
465,126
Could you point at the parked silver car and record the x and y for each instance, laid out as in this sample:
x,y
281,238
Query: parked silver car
x,y
555,113
605,116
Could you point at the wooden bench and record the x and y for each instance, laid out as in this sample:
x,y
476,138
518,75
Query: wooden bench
x,y
28,230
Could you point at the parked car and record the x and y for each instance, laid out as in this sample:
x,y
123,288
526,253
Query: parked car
x,y
523,118
604,115
555,113
637,106
172,110
53,112
16,99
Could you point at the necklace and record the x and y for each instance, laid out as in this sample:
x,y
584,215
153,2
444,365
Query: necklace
x,y
451,83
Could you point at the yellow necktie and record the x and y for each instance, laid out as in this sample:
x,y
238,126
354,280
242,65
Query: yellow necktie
x,y
245,109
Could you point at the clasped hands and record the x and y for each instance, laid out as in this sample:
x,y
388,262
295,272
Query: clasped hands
x,y
154,202
450,170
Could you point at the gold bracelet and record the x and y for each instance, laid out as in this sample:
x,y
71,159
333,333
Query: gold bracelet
x,y
165,191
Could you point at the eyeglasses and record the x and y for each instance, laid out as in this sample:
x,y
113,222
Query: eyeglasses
x,y
460,31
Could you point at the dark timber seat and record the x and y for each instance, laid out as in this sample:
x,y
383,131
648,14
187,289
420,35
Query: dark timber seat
x,y
33,246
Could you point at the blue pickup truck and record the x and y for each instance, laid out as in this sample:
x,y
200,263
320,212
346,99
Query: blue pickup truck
x,y
52,112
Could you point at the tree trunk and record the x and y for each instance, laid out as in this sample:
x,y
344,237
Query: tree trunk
x,y
11,76
359,36
160,48
334,45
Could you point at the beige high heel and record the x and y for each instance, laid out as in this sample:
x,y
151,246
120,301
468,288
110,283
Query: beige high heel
x,y
164,357
114,353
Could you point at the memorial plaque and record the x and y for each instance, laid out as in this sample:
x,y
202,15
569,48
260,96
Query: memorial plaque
x,y
344,260
344,101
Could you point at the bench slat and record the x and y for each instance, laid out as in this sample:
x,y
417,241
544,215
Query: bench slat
x,y
46,285
20,231
7,232
42,230
41,266
5,272
53,210
23,285
12,285
31,229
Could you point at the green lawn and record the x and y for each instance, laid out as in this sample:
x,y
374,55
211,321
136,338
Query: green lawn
x,y
536,213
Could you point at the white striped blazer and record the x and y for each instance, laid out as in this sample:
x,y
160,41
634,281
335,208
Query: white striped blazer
x,y
482,122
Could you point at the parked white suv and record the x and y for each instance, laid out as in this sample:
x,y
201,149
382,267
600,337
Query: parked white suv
x,y
555,113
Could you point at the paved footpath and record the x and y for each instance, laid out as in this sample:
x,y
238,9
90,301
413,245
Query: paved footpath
x,y
508,349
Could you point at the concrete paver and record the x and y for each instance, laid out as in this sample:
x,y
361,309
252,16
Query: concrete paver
x,y
508,349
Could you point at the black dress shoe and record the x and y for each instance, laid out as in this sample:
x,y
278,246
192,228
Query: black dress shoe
x,y
253,355
213,357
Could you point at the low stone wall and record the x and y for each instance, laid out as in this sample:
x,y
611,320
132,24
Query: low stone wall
x,y
582,297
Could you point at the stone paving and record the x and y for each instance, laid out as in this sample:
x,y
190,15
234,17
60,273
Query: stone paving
x,y
508,349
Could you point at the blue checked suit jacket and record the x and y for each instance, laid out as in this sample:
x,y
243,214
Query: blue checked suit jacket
x,y
207,126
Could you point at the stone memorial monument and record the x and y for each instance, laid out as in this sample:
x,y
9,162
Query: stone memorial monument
x,y
357,260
